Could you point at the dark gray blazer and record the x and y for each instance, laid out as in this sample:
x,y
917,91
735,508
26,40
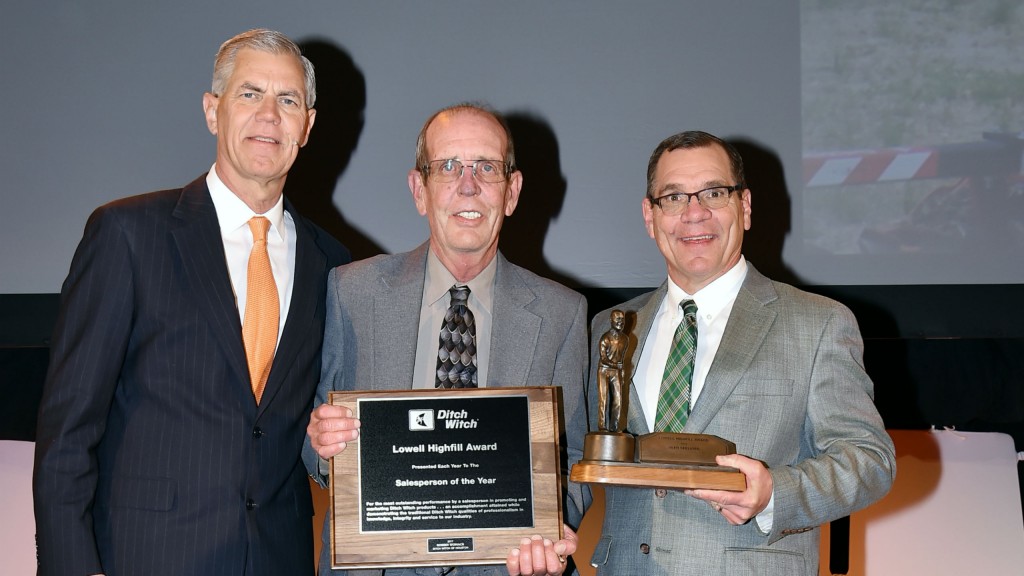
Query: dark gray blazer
x,y
538,338
788,387
152,456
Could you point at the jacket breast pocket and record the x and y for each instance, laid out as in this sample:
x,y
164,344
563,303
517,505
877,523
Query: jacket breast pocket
x,y
754,386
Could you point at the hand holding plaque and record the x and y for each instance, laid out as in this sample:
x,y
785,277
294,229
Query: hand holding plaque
x,y
659,459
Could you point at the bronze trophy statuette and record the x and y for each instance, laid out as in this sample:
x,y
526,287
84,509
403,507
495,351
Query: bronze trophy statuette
x,y
657,460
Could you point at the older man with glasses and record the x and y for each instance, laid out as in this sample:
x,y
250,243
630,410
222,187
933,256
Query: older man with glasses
x,y
515,328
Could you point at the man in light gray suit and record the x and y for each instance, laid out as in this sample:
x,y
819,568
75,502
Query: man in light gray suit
x,y
778,371
384,313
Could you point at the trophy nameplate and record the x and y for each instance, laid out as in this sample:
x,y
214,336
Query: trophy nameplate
x,y
681,448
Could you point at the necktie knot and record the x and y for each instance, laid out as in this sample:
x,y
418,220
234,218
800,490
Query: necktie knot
x,y
459,294
689,311
259,226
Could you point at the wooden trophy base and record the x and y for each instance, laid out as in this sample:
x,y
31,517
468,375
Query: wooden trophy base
x,y
676,461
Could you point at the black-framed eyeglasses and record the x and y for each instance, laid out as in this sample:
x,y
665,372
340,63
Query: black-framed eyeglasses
x,y
711,198
450,170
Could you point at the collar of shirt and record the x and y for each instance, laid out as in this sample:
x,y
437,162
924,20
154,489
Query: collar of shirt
x,y
714,304
439,280
233,218
233,213
436,283
712,299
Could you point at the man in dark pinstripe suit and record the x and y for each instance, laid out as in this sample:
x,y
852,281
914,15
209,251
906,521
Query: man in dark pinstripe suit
x,y
153,454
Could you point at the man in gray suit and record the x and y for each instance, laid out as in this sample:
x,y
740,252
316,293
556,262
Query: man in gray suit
x,y
384,313
776,370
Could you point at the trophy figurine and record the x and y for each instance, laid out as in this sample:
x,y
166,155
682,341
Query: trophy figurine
x,y
660,459
611,442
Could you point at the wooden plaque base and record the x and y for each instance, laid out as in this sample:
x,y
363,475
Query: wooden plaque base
x,y
657,460
649,475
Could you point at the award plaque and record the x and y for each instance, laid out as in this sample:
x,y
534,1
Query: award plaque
x,y
445,477
657,460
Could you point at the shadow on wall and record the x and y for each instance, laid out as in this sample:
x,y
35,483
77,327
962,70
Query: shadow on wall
x,y
340,105
541,199
770,202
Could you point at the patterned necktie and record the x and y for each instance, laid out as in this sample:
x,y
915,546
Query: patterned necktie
x,y
674,402
262,310
456,351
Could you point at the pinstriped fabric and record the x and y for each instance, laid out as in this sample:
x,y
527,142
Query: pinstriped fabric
x,y
152,457
674,401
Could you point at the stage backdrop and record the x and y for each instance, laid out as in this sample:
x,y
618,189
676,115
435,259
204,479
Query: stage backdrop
x,y
883,137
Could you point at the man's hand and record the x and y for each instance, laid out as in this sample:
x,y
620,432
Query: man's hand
x,y
330,429
538,556
739,507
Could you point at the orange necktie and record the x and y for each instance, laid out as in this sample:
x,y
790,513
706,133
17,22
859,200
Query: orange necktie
x,y
262,310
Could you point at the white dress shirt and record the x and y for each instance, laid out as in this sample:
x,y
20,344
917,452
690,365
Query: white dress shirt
x,y
233,215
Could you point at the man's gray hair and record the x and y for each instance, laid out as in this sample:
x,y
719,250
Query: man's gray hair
x,y
265,41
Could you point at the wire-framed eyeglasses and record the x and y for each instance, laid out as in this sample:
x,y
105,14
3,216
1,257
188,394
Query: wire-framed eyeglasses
x,y
711,198
450,170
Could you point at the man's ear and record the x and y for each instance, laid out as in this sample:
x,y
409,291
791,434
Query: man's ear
x,y
648,210
745,199
310,118
416,186
210,102
515,185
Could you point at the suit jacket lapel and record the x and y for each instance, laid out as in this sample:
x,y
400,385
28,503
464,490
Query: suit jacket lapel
x,y
396,313
746,330
637,422
202,255
513,325
310,262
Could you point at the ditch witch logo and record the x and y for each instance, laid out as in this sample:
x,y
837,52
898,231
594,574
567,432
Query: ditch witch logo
x,y
423,419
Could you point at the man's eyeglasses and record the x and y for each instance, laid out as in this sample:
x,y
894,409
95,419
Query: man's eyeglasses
x,y
450,170
710,198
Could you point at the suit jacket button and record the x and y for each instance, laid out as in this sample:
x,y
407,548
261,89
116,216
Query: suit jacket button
x,y
660,492
250,504
257,432
645,549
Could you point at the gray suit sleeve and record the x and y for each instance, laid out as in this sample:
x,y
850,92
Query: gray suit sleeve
x,y
571,369
331,372
851,460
